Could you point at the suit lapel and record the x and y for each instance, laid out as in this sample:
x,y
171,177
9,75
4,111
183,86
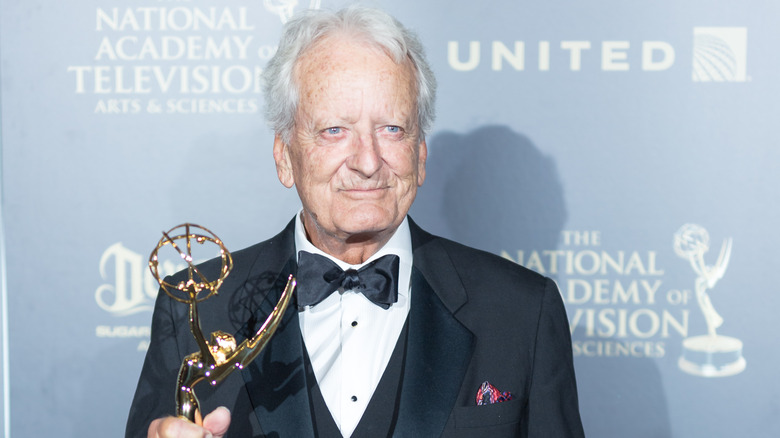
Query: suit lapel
x,y
276,383
439,347
276,379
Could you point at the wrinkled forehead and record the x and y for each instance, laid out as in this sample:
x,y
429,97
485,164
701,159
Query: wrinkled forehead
x,y
327,56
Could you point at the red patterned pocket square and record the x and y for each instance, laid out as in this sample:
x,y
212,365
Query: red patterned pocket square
x,y
488,394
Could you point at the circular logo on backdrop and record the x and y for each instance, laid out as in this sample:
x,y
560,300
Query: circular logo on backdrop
x,y
713,59
720,54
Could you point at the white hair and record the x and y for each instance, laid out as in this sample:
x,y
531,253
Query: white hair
x,y
372,26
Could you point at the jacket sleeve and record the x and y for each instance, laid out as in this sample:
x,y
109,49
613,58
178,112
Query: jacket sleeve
x,y
553,409
155,393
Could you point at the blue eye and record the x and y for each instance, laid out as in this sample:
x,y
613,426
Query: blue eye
x,y
333,131
394,129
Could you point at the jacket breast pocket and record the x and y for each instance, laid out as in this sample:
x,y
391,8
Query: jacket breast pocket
x,y
488,415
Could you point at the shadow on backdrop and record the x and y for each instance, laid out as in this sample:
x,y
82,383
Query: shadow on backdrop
x,y
491,189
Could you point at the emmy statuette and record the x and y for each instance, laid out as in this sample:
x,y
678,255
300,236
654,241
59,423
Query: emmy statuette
x,y
220,356
710,355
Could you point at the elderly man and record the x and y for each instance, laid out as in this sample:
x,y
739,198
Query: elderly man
x,y
394,332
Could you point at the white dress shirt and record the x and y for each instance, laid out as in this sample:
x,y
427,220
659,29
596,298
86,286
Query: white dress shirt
x,y
350,339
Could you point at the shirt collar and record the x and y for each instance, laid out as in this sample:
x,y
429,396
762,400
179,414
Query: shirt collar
x,y
399,244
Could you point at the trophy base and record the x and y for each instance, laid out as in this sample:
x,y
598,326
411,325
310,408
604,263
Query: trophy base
x,y
712,356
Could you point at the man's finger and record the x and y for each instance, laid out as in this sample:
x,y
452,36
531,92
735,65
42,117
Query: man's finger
x,y
218,421
172,427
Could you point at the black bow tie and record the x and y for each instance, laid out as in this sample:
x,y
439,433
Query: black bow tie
x,y
318,277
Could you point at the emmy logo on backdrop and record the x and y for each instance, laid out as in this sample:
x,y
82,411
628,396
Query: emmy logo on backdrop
x,y
286,8
220,356
710,355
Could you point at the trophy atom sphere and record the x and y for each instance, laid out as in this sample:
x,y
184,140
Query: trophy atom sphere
x,y
186,291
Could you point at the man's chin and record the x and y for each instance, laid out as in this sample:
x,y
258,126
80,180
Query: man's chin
x,y
360,225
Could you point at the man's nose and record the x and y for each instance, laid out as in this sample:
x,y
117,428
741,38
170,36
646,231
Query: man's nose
x,y
366,157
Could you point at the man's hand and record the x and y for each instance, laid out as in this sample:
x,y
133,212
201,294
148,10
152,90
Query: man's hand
x,y
213,426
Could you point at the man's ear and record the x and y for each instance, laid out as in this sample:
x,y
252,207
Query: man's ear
x,y
283,162
422,156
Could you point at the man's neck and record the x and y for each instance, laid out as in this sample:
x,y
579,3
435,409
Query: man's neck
x,y
353,249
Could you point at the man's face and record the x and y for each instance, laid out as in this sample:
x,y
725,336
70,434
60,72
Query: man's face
x,y
355,155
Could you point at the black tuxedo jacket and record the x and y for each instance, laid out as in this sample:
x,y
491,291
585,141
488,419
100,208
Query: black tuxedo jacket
x,y
474,317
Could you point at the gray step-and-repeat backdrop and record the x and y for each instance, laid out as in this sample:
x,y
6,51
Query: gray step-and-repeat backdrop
x,y
626,149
